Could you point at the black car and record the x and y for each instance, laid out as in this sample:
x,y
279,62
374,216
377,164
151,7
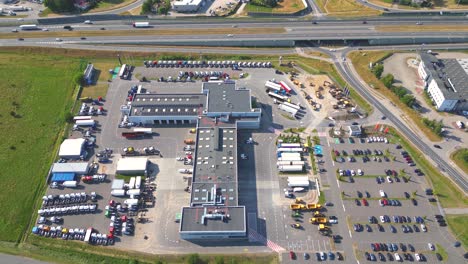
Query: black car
x,y
414,201
407,195
83,38
357,202
359,194
366,254
314,22
355,123
438,216
442,224
20,39
339,256
67,27
437,146
432,200
381,257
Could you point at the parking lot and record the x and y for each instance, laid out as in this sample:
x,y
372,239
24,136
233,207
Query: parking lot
x,y
382,200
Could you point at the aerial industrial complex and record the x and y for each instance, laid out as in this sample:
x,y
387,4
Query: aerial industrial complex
x,y
306,144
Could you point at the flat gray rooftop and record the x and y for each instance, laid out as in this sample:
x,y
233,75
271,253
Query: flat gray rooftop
x,y
216,155
230,218
210,193
225,98
447,72
167,104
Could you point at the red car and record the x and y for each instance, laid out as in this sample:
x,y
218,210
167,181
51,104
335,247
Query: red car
x,y
123,218
364,202
111,230
292,255
111,202
385,201
87,178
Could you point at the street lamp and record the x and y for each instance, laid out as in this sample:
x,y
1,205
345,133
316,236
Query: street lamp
x,y
120,61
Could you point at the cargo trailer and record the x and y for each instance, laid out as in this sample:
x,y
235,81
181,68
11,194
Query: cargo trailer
x,y
285,86
138,182
118,193
28,27
291,168
289,150
298,184
76,118
280,98
289,159
288,109
89,122
292,105
141,24
290,145
272,86
131,183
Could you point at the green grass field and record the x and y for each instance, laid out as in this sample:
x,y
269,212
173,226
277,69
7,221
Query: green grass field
x,y
36,89
460,157
459,226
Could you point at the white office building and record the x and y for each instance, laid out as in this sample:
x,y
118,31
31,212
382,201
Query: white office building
x,y
187,6
446,82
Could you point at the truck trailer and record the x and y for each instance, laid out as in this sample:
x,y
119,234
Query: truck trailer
x,y
288,162
272,86
89,122
28,27
70,184
285,86
297,178
131,183
289,159
138,182
288,109
145,130
141,24
287,150
291,168
134,192
290,145
289,154
298,184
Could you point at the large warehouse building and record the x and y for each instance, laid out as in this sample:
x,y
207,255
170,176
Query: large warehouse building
x,y
187,6
446,82
218,111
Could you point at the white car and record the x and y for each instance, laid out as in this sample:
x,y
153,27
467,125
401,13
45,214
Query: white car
x,y
360,172
382,219
353,173
341,172
382,194
58,39
417,257
431,246
179,158
45,29
397,257
389,179
423,228
322,256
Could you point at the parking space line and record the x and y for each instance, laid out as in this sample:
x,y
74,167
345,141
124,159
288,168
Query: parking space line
x,y
350,235
338,183
325,245
344,209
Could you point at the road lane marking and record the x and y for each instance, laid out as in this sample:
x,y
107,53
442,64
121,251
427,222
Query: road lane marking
x,y
350,235
344,209
338,183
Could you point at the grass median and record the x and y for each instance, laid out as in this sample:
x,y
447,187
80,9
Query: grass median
x,y
139,32
346,8
361,62
460,157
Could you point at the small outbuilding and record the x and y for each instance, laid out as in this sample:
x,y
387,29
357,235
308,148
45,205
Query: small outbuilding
x,y
354,131
132,166
72,148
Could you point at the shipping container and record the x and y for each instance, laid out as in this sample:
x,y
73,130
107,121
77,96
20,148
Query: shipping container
x,y
118,193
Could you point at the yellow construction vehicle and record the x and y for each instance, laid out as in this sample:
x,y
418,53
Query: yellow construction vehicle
x,y
318,214
296,82
314,206
318,220
297,207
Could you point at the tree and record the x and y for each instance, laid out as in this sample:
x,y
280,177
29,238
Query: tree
x,y
68,117
408,100
147,7
78,79
194,259
60,5
388,80
378,70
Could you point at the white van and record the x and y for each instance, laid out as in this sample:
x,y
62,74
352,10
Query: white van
x,y
460,124
397,257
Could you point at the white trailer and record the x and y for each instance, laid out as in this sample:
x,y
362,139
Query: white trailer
x,y
76,118
144,130
289,150
70,184
290,154
290,159
131,202
122,71
298,178
295,106
288,109
281,98
134,192
131,184
88,234
290,168
289,162
28,27
89,122
118,193
298,184
290,145
272,86
141,24
138,182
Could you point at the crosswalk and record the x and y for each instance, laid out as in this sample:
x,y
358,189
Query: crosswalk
x,y
256,237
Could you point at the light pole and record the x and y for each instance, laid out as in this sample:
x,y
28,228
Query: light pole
x,y
120,61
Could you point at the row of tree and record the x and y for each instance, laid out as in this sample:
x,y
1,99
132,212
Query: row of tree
x,y
267,3
60,5
388,80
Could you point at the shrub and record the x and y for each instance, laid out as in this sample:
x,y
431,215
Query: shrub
x,y
388,80
378,70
